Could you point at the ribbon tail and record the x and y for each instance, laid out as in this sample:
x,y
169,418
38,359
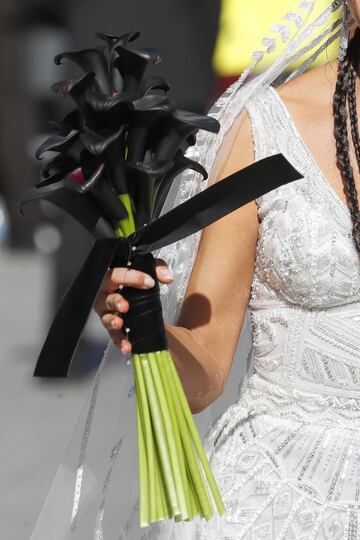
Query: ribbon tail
x,y
216,202
65,332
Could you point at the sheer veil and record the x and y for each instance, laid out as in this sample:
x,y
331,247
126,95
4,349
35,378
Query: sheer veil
x,y
94,494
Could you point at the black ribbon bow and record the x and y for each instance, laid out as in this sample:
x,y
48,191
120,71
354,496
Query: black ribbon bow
x,y
188,218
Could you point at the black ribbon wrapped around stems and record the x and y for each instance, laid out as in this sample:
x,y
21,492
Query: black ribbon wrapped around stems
x,y
205,208
144,322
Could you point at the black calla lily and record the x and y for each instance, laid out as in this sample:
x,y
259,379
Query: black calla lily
x,y
74,87
143,178
117,81
153,83
132,66
146,114
177,128
83,208
163,186
90,60
97,144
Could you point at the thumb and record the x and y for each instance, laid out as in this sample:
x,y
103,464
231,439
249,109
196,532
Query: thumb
x,y
163,272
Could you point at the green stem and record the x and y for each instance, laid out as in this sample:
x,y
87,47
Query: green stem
x,y
130,222
141,398
163,507
159,433
118,230
143,476
194,502
195,435
192,461
170,398
171,430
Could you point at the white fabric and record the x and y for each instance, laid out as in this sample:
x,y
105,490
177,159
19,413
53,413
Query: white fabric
x,y
287,453
88,499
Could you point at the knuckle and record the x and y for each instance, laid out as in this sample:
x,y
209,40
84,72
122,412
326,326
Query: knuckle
x,y
138,278
108,302
118,276
104,320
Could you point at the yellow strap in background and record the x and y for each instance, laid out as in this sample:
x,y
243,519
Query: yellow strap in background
x,y
244,23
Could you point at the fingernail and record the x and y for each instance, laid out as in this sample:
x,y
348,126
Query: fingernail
x,y
114,323
148,281
119,306
166,272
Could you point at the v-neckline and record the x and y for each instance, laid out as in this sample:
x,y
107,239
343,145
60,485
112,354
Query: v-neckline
x,y
329,187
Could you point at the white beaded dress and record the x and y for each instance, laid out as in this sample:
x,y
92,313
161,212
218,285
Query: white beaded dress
x,y
287,453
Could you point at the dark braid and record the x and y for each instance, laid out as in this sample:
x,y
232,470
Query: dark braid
x,y
354,123
345,92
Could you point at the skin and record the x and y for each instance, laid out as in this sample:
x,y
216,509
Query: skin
x,y
204,341
354,6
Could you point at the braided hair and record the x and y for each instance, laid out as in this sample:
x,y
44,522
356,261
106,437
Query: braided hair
x,y
345,99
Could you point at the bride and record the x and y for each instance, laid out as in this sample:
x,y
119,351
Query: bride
x,y
287,454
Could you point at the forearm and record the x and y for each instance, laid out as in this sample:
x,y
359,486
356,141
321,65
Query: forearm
x,y
200,375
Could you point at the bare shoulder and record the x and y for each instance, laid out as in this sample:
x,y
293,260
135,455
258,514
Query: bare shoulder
x,y
309,101
309,96
239,151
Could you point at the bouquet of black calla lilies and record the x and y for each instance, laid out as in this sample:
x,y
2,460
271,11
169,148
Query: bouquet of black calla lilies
x,y
116,156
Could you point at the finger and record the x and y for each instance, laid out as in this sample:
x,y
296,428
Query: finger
x,y
112,322
163,271
114,302
125,276
120,341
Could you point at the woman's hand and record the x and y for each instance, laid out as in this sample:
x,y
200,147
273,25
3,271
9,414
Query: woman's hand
x,y
110,304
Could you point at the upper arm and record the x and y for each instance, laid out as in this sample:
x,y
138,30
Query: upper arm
x,y
218,291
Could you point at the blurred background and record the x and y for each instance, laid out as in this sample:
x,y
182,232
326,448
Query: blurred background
x,y
207,44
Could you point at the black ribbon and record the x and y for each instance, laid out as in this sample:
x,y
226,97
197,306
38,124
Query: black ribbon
x,y
188,218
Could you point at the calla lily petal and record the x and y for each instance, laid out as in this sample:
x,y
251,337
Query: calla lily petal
x,y
197,120
75,88
71,121
110,202
90,60
153,83
154,102
111,39
132,66
163,186
57,143
89,183
153,54
62,164
96,144
141,180
83,208
172,131
105,102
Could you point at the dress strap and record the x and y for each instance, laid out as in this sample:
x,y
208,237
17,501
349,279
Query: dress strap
x,y
260,111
